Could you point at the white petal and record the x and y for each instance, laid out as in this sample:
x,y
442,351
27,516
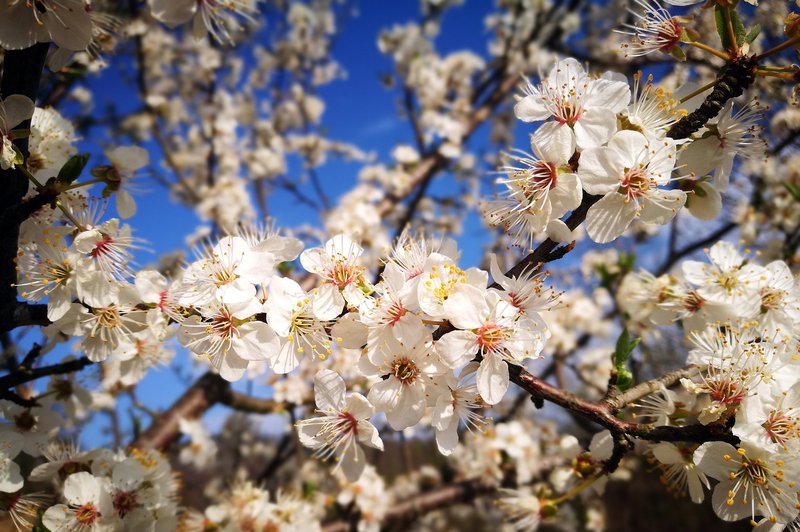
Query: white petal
x,y
553,142
719,501
232,367
609,218
173,12
257,341
359,406
667,453
456,348
329,390
409,410
447,439
128,158
286,359
709,458
492,379
661,206
595,127
610,94
369,435
327,302
531,109
353,463
558,231
466,307
599,172
705,203
126,205
17,109
349,332
384,395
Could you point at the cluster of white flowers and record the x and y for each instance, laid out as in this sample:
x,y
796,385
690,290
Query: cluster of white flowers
x,y
603,138
249,507
107,490
411,372
743,320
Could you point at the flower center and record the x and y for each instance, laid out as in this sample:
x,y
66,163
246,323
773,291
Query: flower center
x,y
101,248
726,392
780,427
770,299
693,302
669,34
442,281
343,273
63,389
405,370
223,276
568,112
301,323
223,325
25,421
124,502
396,311
635,183
541,177
87,514
490,337
348,423
108,317
728,281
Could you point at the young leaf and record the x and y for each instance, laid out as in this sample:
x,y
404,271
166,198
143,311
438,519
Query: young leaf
x,y
752,34
72,169
793,189
722,27
624,348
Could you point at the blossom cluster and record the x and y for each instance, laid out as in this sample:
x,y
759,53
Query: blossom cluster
x,y
742,320
602,137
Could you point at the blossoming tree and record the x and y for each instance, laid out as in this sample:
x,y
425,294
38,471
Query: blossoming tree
x,y
634,317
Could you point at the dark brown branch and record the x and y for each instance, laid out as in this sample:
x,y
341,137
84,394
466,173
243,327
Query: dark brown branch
x,y
602,413
22,71
23,374
24,314
694,246
732,81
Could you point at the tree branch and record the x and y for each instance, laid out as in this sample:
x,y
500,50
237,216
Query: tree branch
x,y
24,374
22,71
199,397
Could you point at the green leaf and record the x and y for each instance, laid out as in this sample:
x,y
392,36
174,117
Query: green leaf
x,y
738,27
793,189
752,34
625,346
677,53
722,26
20,133
627,261
73,168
